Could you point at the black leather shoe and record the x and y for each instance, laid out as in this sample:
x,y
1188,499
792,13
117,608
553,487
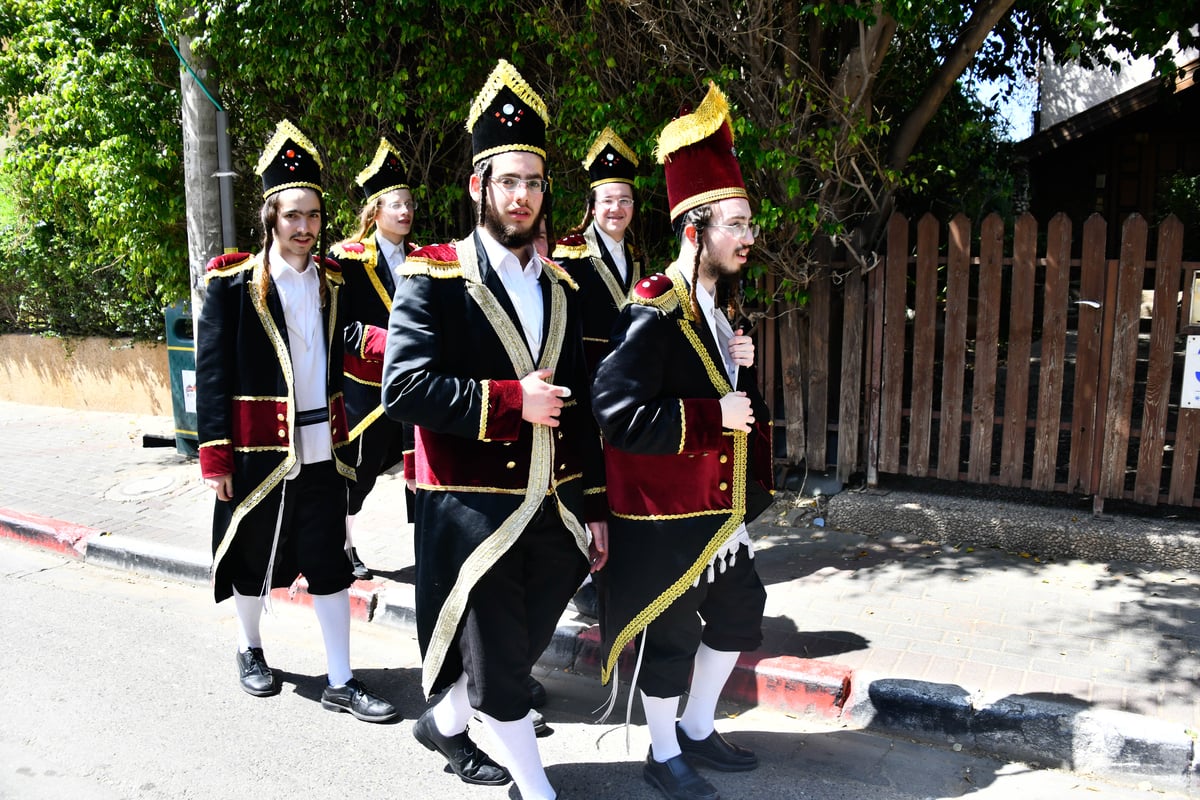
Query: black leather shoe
x,y
254,674
361,573
465,759
717,752
537,692
586,602
355,699
677,780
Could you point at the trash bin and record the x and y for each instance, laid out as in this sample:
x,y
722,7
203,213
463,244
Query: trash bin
x,y
181,363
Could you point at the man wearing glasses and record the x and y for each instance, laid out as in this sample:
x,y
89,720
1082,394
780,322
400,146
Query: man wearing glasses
x,y
369,259
484,356
687,447
597,253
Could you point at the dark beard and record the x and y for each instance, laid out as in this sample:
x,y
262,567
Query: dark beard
x,y
508,235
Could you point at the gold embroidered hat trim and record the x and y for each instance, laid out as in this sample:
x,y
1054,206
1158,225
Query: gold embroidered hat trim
x,y
376,169
697,126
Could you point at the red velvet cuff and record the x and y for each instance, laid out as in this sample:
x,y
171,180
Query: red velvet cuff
x,y
410,463
502,414
216,460
374,343
701,425
363,370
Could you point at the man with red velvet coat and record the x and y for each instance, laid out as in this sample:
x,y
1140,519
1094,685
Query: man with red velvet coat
x,y
369,260
485,357
272,425
687,448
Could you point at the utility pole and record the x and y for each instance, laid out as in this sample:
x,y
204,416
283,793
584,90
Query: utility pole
x,y
201,170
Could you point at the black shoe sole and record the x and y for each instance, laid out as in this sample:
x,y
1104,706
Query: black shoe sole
x,y
330,706
719,766
274,690
650,779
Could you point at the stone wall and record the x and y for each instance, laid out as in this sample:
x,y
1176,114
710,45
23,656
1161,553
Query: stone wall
x,y
95,374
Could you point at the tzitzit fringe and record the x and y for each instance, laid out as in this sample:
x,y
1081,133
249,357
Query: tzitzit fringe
x,y
695,127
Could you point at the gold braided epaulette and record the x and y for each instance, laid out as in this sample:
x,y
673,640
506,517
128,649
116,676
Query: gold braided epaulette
x,y
355,251
429,267
557,271
228,264
656,291
573,246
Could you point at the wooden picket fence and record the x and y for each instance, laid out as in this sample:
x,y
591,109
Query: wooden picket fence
x,y
1025,366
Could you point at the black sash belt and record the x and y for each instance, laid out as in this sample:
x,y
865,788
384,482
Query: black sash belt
x,y
314,417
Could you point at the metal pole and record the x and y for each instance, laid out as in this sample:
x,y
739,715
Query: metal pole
x,y
225,176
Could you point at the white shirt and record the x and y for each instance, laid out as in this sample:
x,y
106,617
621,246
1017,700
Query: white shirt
x,y
727,553
521,283
708,307
393,254
300,294
617,251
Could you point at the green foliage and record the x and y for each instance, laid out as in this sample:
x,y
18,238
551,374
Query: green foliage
x,y
1180,195
94,239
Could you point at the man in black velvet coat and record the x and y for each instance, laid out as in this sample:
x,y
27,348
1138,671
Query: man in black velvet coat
x,y
485,357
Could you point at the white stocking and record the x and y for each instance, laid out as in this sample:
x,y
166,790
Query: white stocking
x,y
249,615
333,612
709,673
452,713
660,719
518,752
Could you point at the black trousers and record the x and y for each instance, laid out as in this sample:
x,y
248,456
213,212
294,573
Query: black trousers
x,y
726,615
380,448
312,537
513,612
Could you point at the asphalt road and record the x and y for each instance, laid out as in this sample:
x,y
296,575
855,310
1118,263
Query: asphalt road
x,y
121,686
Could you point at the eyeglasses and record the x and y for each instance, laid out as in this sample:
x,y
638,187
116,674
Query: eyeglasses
x,y
532,185
402,205
609,202
741,230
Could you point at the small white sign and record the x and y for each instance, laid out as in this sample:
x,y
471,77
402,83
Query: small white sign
x,y
188,379
1190,390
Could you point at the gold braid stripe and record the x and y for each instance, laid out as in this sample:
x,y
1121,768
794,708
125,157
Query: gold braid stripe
x,y
685,581
369,266
366,421
682,428
485,398
619,296
276,475
719,378
540,463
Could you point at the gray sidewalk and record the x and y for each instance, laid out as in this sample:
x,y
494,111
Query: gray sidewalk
x,y
1091,666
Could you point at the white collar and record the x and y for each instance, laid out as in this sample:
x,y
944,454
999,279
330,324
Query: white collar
x,y
282,270
390,251
612,244
499,255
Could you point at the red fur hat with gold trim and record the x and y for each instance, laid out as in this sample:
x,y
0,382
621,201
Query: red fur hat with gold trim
x,y
696,151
